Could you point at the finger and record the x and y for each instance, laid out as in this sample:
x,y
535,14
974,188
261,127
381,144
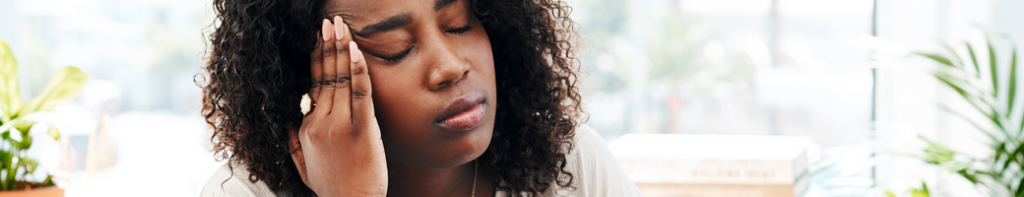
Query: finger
x,y
342,94
362,101
296,151
316,70
326,98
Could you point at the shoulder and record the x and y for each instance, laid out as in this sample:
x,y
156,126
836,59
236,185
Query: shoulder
x,y
233,181
595,170
589,145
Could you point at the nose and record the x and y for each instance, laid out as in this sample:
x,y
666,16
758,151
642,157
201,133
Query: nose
x,y
447,68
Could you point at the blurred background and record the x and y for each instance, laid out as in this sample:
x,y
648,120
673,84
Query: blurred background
x,y
812,68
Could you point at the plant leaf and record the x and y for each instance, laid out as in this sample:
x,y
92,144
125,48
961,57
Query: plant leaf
x,y
1020,192
49,181
973,99
53,132
1009,158
13,136
1012,156
10,94
65,84
1013,82
4,159
15,161
918,193
993,67
936,153
970,99
974,60
1000,150
968,176
924,187
975,124
937,58
1018,155
956,56
30,165
23,125
889,194
26,141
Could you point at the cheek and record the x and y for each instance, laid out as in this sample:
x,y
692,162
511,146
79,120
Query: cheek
x,y
392,92
478,52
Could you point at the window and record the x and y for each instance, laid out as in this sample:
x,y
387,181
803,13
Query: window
x,y
756,67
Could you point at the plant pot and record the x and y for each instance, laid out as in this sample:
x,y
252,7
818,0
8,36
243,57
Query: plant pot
x,y
41,192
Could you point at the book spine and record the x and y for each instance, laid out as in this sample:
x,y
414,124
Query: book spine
x,y
722,190
715,191
714,171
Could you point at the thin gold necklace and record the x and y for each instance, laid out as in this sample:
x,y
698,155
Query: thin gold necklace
x,y
473,192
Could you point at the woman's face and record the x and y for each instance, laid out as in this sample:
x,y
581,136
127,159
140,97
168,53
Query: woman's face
x,y
432,72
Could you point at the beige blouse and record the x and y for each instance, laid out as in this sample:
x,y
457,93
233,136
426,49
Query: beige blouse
x,y
595,172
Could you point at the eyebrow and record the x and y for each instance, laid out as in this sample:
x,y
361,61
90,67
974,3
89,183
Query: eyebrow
x,y
386,25
441,3
396,21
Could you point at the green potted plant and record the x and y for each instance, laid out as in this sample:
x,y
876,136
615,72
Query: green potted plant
x,y
991,91
15,167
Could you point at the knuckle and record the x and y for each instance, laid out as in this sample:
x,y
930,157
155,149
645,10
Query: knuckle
x,y
358,70
359,93
327,52
344,79
316,134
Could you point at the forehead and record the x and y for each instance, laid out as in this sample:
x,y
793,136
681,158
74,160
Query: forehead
x,y
362,12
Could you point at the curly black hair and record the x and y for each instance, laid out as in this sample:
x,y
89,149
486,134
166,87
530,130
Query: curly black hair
x,y
259,68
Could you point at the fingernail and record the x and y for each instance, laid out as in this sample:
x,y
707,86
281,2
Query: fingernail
x,y
355,53
327,29
338,28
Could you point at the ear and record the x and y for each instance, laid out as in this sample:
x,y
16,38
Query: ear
x,y
296,149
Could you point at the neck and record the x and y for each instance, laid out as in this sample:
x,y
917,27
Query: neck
x,y
411,180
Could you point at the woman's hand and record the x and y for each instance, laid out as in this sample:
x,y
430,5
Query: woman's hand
x,y
338,148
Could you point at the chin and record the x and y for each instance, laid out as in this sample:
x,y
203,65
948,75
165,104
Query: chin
x,y
442,149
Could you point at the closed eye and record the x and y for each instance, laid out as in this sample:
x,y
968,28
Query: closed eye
x,y
459,30
394,57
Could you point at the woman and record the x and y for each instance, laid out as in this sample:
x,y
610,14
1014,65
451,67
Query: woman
x,y
409,98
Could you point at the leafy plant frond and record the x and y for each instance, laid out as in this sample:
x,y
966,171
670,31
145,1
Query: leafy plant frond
x,y
914,192
1013,82
938,58
974,59
64,85
1002,172
14,130
11,101
993,67
991,136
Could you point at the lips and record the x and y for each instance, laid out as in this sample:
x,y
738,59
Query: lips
x,y
464,114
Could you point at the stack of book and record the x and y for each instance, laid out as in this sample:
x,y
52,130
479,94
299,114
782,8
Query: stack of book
x,y
714,165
